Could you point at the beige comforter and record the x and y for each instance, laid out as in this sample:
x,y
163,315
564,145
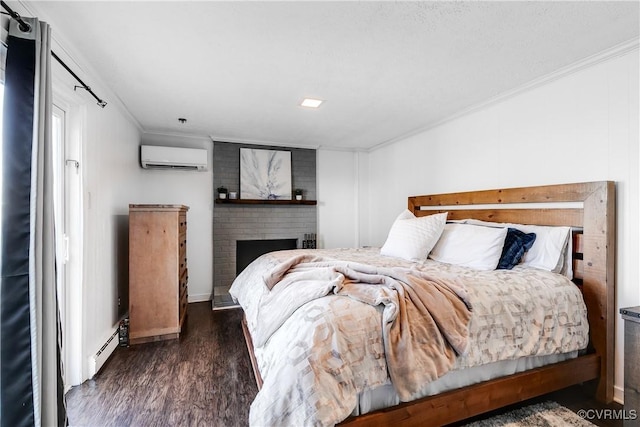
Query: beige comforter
x,y
425,319
317,348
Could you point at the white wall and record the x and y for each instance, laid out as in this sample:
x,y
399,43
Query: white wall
x,y
337,190
109,167
581,127
193,189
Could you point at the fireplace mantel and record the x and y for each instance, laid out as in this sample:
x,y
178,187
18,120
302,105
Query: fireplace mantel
x,y
265,202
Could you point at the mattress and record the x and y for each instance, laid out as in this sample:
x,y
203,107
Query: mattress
x,y
385,396
326,360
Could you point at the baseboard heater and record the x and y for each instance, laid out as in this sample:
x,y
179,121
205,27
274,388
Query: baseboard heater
x,y
96,361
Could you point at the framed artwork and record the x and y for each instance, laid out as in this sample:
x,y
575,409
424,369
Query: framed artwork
x,y
265,174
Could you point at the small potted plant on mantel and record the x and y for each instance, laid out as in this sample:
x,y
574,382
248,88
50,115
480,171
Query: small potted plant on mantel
x,y
298,193
222,192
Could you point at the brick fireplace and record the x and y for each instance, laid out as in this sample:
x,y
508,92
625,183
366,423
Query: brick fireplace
x,y
232,223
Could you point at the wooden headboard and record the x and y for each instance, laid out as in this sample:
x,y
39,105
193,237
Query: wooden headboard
x,y
591,209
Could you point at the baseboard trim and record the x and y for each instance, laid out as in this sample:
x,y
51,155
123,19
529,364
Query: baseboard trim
x,y
199,298
618,395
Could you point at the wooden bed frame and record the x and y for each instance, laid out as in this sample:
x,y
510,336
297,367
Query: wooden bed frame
x,y
592,215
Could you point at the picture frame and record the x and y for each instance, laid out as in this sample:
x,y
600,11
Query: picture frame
x,y
265,174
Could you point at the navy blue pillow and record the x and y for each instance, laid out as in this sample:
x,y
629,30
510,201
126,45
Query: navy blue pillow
x,y
515,245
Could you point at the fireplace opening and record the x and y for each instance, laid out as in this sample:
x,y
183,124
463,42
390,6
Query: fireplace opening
x,y
249,250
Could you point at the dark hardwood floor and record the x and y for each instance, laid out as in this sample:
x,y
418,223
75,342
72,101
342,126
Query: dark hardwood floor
x,y
203,379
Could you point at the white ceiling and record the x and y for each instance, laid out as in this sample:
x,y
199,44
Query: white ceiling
x,y
238,70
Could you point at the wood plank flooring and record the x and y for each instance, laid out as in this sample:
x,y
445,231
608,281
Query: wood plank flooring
x,y
202,379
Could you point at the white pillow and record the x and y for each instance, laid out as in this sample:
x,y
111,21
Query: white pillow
x,y
551,250
413,238
470,246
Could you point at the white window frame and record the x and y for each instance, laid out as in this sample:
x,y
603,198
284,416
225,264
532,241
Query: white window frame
x,y
72,107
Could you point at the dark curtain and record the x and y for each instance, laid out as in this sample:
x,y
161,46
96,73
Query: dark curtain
x,y
30,369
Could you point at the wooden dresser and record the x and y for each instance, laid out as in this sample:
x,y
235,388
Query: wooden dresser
x,y
158,272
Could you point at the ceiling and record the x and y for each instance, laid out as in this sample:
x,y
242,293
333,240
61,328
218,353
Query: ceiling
x,y
238,70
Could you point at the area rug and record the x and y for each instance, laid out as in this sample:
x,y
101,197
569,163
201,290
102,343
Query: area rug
x,y
546,414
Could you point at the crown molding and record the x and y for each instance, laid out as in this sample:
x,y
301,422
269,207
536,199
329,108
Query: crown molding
x,y
215,138
343,149
176,135
590,61
285,144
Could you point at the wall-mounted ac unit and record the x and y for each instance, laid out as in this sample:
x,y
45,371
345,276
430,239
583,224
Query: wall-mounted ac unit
x,y
155,157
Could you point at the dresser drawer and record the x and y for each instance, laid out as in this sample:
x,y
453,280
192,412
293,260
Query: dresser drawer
x,y
182,267
182,245
184,300
184,280
182,224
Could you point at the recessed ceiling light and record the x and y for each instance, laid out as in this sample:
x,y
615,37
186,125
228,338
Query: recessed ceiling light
x,y
311,103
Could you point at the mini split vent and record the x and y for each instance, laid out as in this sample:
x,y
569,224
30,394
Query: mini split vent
x,y
154,157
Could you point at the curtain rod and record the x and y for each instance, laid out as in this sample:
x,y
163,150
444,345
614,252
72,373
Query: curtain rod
x,y
26,27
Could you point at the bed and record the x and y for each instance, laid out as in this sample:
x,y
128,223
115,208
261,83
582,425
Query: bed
x,y
475,381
